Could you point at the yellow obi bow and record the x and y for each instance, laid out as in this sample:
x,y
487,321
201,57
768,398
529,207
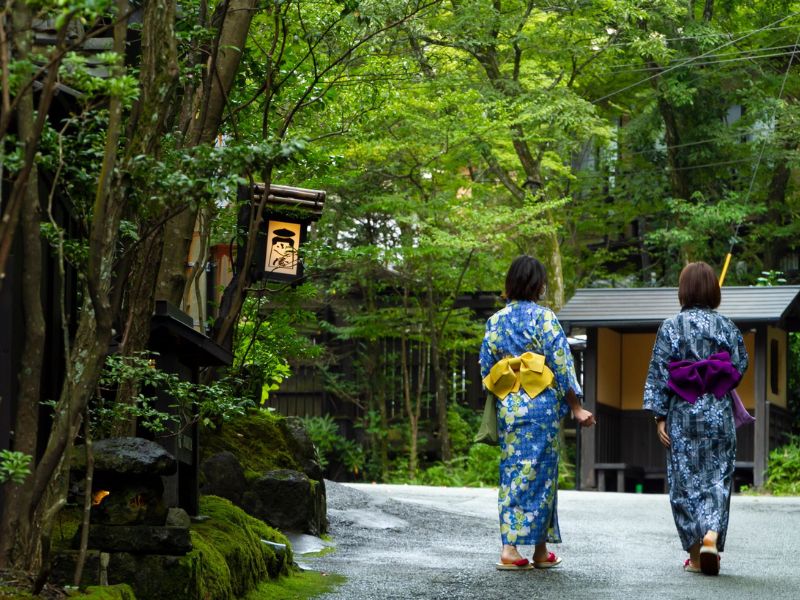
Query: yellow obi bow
x,y
527,370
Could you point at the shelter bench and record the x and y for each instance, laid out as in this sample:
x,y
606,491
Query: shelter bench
x,y
622,471
742,474
659,475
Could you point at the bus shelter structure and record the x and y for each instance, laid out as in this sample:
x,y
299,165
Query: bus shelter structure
x,y
620,326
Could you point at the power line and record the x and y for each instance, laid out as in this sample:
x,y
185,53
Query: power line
x,y
654,168
764,144
753,52
708,35
705,54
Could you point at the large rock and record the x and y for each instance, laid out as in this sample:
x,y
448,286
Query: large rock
x,y
288,500
224,477
303,448
128,456
139,539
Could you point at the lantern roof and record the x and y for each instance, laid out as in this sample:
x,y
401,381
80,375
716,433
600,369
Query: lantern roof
x,y
286,195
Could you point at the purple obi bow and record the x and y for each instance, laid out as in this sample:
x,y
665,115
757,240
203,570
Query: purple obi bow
x,y
716,375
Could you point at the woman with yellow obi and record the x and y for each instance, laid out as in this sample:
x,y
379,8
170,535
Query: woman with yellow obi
x,y
527,364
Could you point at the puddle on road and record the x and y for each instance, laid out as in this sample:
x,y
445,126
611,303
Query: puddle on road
x,y
306,544
371,518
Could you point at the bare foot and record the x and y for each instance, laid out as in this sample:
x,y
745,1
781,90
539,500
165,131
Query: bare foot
x,y
510,554
541,553
710,538
694,554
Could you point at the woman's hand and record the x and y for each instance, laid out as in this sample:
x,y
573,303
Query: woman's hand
x,y
663,436
583,417
580,414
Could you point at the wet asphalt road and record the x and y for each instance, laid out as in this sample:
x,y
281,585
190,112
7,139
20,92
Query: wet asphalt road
x,y
442,543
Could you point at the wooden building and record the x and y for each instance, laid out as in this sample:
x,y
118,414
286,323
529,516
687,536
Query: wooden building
x,y
621,325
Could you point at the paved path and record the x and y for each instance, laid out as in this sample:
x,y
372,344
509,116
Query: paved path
x,y
441,543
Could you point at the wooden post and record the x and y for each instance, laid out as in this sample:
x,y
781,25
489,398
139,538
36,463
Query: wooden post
x,y
587,435
761,433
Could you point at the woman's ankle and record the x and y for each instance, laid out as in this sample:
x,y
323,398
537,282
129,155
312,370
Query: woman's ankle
x,y
540,552
694,554
510,552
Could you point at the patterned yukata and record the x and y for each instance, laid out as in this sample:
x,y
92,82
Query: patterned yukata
x,y
700,460
528,427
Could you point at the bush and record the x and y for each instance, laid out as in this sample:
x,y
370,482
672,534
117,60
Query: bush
x,y
794,379
462,424
330,444
783,477
14,466
479,468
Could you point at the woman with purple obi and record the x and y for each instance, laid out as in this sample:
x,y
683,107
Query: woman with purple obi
x,y
698,360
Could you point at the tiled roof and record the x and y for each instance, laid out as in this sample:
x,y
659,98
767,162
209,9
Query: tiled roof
x,y
645,307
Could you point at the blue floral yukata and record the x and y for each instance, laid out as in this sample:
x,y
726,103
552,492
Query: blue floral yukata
x,y
528,428
701,456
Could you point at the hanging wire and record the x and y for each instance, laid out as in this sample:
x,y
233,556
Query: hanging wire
x,y
735,235
720,59
692,59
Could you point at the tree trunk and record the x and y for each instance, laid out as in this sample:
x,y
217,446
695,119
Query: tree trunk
x,y
381,438
35,516
551,258
14,528
412,422
149,121
439,374
776,210
138,309
206,107
440,382
708,10
678,176
22,19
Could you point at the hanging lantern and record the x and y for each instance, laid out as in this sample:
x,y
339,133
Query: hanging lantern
x,y
284,231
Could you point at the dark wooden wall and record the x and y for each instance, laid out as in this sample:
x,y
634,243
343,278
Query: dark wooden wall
x,y
307,393
629,436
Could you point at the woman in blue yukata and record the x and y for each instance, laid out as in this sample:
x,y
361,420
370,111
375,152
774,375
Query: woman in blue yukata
x,y
698,359
527,363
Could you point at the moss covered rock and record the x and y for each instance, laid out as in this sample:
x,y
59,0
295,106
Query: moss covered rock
x,y
267,464
261,441
230,558
111,592
232,552
288,500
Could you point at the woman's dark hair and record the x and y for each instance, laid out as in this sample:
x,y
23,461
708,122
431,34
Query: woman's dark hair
x,y
698,286
525,279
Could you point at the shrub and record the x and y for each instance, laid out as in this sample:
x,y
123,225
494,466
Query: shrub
x,y
462,424
14,466
783,478
324,432
479,468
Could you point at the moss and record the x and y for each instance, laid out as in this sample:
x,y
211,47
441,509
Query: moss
x,y
297,586
233,558
228,560
8,593
324,552
66,525
213,574
259,440
112,592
